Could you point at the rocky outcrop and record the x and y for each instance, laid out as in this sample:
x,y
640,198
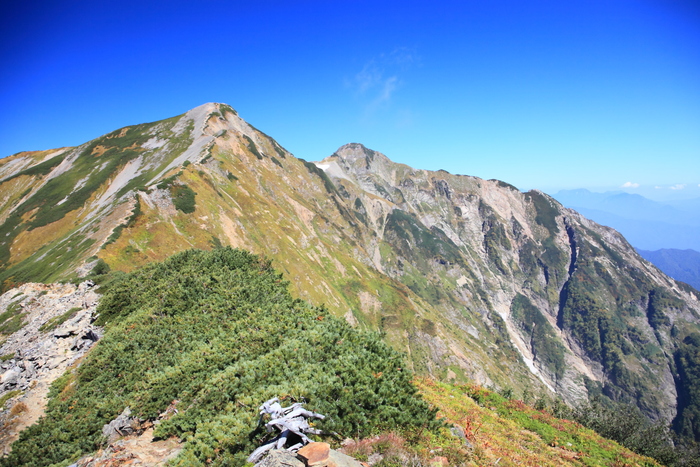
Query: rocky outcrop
x,y
123,425
55,331
311,455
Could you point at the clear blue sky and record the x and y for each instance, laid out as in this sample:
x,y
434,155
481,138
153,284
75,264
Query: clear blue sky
x,y
541,94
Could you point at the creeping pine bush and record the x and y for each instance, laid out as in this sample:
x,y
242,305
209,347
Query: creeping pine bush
x,y
219,333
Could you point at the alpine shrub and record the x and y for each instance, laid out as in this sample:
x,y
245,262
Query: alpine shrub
x,y
218,333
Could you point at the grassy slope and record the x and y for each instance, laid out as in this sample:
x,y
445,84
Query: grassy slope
x,y
510,433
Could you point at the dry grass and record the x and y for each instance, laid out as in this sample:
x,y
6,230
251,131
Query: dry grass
x,y
27,241
18,408
385,450
511,433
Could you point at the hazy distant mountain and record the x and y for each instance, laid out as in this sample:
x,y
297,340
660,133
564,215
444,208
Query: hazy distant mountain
x,y
646,224
682,265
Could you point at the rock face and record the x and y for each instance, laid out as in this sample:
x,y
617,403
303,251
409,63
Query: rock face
x,y
55,331
311,455
123,425
472,278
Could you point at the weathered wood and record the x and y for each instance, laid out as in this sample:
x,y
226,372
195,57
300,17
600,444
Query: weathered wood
x,y
292,420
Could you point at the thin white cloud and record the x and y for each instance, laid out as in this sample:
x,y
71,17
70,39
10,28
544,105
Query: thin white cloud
x,y
368,78
380,78
676,187
630,185
388,88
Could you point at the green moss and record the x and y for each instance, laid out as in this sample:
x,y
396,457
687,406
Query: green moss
x,y
11,321
503,184
89,171
660,300
225,108
417,242
168,182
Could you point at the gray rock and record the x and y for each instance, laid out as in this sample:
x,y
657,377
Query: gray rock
x,y
66,331
10,377
338,459
280,458
123,425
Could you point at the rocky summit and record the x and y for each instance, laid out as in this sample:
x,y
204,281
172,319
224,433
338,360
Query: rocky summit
x,y
472,279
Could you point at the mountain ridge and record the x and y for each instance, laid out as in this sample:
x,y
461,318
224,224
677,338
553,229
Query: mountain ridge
x,y
471,278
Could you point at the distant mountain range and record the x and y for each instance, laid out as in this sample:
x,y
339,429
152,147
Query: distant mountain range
x,y
646,224
666,234
683,265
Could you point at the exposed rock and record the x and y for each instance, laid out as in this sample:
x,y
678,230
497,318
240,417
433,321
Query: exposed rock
x,y
66,331
10,378
123,425
280,458
134,450
40,352
338,459
458,432
315,453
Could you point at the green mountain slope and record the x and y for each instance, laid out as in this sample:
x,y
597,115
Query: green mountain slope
x,y
211,335
471,278
219,333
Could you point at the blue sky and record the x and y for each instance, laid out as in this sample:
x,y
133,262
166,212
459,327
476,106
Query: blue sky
x,y
541,94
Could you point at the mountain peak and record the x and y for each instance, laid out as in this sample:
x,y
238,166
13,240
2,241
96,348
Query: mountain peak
x,y
354,151
359,156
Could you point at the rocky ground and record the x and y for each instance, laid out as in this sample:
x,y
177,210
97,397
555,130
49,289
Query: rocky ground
x,y
45,329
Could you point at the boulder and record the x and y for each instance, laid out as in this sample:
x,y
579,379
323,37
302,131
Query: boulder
x,y
315,453
10,378
123,425
280,458
66,331
338,459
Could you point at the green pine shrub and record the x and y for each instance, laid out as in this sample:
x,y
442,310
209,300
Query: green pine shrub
x,y
219,332
183,198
